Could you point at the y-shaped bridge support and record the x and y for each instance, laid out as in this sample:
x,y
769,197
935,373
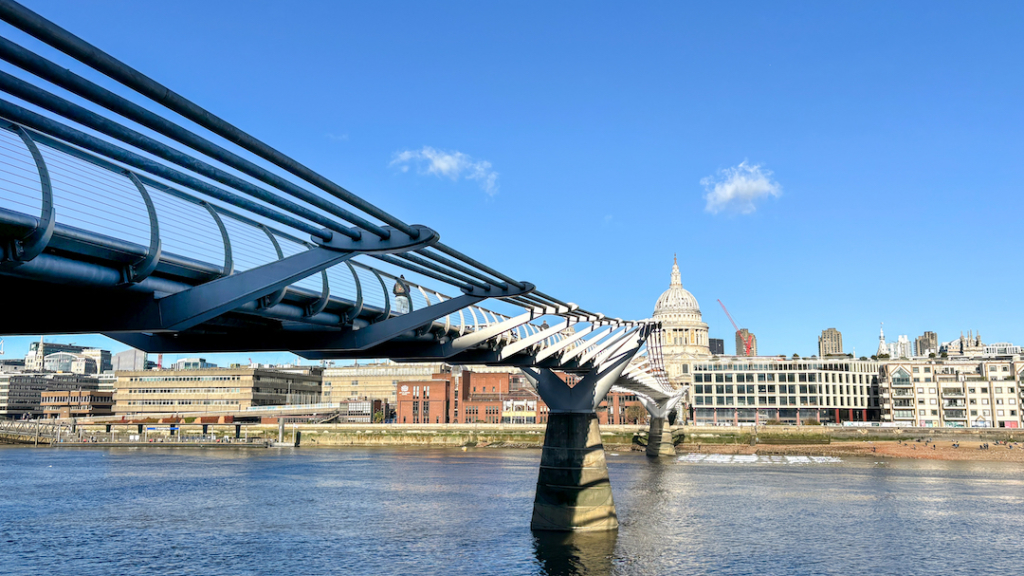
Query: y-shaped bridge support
x,y
573,491
659,438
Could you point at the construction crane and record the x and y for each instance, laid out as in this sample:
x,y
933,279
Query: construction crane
x,y
749,340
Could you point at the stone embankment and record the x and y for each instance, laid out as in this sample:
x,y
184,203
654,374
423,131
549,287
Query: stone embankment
x,y
932,443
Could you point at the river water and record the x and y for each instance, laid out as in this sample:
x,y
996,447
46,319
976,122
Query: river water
x,y
420,511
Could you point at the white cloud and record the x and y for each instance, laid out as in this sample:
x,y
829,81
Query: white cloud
x,y
336,137
738,189
452,165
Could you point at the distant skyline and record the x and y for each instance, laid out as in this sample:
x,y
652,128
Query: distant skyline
x,y
814,165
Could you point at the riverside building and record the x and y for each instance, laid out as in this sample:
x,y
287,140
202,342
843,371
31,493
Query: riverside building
x,y
21,394
378,380
214,389
952,392
77,403
745,390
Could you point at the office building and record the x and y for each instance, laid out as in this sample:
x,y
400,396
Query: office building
x,y
377,380
742,337
192,364
830,343
214,389
748,390
1002,349
11,365
76,403
716,346
901,348
131,360
21,394
38,351
927,343
61,357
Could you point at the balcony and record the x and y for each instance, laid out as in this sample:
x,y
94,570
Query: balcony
x,y
954,404
952,392
901,383
954,414
903,392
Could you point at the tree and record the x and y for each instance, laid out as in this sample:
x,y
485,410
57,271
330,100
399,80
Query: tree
x,y
635,413
931,355
796,355
378,417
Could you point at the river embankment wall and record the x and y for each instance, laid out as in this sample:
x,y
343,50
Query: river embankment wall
x,y
613,437
532,436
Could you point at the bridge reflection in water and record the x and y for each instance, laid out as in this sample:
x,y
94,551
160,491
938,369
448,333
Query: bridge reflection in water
x,y
576,553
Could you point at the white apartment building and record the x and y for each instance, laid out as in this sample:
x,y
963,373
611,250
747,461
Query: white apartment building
x,y
952,392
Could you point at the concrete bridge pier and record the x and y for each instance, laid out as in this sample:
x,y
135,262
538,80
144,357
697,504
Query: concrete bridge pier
x,y
659,438
573,490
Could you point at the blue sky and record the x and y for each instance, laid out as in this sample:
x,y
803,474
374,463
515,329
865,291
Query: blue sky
x,y
869,153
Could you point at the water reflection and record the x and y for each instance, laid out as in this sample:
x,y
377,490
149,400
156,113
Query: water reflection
x,y
383,511
575,553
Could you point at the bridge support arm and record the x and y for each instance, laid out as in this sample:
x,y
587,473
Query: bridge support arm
x,y
659,437
573,490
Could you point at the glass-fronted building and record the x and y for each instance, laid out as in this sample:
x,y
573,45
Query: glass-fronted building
x,y
738,390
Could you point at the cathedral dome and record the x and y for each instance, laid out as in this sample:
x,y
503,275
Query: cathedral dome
x,y
676,300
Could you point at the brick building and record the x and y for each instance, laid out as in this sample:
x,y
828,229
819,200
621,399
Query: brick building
x,y
613,409
492,398
425,401
478,397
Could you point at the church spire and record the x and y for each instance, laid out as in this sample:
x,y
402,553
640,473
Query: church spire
x,y
676,280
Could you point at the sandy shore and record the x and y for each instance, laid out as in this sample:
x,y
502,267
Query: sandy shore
x,y
942,450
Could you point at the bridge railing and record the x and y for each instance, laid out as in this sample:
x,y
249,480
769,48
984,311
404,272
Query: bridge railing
x,y
156,197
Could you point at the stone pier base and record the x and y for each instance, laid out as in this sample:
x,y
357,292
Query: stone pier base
x,y
573,491
659,441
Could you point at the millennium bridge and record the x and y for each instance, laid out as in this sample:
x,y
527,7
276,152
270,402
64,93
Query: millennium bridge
x,y
171,230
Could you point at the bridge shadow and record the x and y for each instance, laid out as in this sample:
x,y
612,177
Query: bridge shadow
x,y
575,553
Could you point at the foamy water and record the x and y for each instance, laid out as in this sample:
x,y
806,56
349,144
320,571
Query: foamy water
x,y
756,459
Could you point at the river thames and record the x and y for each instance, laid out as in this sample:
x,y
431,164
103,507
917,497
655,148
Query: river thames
x,y
424,511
